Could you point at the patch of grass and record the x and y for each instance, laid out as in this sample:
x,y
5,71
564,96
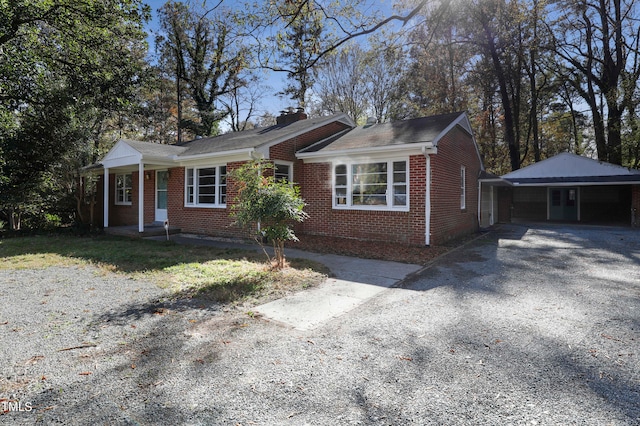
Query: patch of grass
x,y
221,275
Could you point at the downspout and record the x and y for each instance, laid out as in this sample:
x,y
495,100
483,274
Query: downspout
x,y
427,199
479,201
105,198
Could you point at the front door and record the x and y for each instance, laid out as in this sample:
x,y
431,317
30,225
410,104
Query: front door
x,y
563,204
162,177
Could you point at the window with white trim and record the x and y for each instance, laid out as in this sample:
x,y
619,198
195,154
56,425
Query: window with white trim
x,y
463,188
381,185
283,171
123,189
206,186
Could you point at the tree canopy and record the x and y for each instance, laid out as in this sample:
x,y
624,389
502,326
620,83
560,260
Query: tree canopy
x,y
537,77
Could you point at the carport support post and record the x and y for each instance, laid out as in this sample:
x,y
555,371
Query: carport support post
x,y
141,197
105,197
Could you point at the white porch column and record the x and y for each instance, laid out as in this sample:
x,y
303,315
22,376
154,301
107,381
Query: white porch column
x,y
140,197
106,198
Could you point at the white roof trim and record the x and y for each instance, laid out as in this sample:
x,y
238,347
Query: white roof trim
x,y
219,154
567,184
341,118
404,149
122,154
462,121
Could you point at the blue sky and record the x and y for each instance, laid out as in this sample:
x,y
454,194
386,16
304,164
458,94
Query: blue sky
x,y
273,103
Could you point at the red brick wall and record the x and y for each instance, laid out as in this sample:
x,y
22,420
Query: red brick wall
x,y
198,220
287,150
448,221
402,227
120,215
149,196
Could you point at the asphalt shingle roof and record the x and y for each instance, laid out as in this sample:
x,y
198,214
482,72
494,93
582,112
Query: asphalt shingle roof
x,y
568,167
417,130
154,149
252,138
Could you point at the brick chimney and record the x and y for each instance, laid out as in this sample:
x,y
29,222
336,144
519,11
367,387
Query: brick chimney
x,y
290,116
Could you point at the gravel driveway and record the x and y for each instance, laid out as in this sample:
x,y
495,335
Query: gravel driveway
x,y
523,326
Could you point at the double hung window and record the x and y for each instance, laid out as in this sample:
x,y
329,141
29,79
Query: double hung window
x,y
283,172
206,186
372,185
123,189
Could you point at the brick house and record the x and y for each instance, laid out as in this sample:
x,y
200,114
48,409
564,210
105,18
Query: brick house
x,y
413,182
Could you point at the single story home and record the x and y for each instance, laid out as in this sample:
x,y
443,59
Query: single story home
x,y
412,182
569,188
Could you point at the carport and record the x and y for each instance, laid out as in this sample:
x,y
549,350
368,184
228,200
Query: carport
x,y
571,188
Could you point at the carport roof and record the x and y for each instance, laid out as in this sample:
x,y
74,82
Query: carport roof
x,y
568,168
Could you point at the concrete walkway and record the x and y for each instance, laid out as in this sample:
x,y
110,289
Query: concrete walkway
x,y
355,281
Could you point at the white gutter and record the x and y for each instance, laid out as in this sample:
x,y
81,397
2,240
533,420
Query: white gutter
x,y
417,148
479,200
181,158
554,184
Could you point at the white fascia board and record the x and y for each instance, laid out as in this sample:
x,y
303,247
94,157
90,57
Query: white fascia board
x,y
152,162
367,153
128,160
454,123
462,121
556,184
214,158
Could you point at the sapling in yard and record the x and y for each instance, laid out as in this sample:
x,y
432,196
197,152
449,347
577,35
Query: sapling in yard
x,y
267,207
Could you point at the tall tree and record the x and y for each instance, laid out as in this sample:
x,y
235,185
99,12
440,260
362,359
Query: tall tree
x,y
598,43
342,85
384,72
68,66
208,58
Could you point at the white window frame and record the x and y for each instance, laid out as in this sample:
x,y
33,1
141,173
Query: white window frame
x,y
463,187
123,190
348,199
284,163
191,199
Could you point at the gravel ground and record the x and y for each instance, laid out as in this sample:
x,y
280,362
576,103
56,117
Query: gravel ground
x,y
523,326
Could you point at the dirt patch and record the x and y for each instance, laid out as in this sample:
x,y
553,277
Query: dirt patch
x,y
377,250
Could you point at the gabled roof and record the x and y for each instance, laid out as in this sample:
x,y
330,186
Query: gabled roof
x,y
261,137
148,149
421,132
568,168
126,153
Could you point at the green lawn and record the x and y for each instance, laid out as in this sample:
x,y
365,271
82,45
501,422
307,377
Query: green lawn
x,y
222,275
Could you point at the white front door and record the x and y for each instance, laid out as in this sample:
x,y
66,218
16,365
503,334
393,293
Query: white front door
x,y
162,178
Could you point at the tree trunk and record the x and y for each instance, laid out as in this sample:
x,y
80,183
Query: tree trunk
x,y
14,219
614,133
509,122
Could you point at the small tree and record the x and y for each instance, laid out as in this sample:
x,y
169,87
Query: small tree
x,y
266,207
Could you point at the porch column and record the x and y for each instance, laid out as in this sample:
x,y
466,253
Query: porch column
x,y
105,197
141,197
